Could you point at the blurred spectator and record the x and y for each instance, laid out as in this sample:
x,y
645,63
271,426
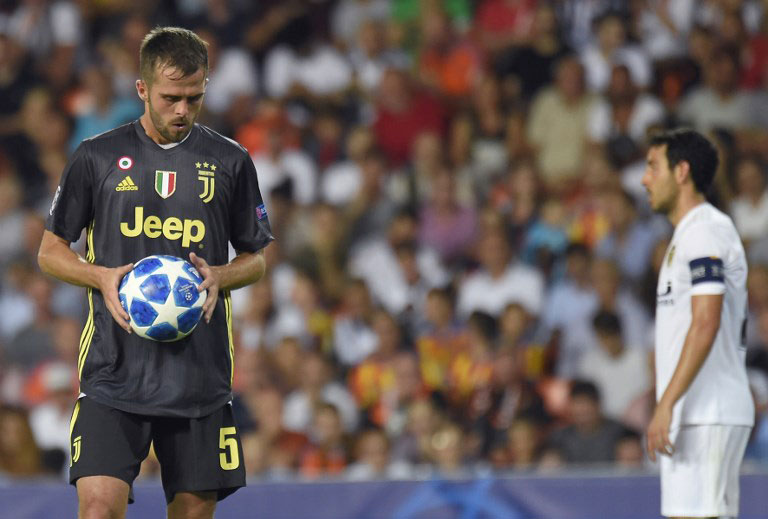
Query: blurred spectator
x,y
611,48
51,32
589,437
317,387
525,69
97,109
497,403
34,343
284,448
376,261
370,57
20,456
232,80
278,163
719,102
445,225
577,18
309,68
447,63
447,452
440,338
630,240
557,125
327,454
621,120
504,23
353,338
471,368
750,207
257,326
500,280
522,447
621,374
663,27
372,459
412,444
341,181
350,18
50,419
324,253
397,121
628,451
374,377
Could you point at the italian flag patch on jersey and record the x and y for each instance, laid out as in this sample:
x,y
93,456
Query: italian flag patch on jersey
x,y
165,183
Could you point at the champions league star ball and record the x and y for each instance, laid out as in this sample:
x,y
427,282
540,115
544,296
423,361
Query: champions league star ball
x,y
160,295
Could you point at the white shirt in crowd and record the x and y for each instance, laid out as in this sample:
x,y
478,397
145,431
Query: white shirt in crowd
x,y
751,220
620,379
705,257
519,284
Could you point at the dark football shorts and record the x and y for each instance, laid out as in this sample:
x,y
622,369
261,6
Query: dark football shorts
x,y
195,454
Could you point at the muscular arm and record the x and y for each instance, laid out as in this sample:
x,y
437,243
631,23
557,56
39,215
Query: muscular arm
x,y
705,322
57,259
244,269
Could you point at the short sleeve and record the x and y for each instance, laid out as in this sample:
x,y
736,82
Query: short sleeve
x,y
704,250
249,223
72,206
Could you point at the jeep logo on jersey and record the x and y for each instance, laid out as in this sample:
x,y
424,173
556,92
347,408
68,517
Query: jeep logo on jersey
x,y
165,183
172,228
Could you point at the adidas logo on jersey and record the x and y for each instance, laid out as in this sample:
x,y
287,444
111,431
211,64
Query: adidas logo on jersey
x,y
127,185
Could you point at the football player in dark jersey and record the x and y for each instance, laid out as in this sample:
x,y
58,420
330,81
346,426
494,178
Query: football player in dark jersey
x,y
159,185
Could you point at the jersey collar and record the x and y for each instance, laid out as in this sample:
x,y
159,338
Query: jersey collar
x,y
188,140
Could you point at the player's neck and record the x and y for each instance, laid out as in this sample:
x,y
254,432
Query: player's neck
x,y
150,130
685,203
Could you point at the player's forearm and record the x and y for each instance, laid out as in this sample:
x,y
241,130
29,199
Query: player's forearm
x,y
698,344
246,268
57,259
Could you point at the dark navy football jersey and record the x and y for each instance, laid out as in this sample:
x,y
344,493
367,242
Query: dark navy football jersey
x,y
137,199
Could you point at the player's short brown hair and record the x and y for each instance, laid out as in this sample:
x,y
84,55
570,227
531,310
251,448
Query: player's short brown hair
x,y
174,47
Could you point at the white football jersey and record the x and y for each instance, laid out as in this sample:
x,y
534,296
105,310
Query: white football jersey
x,y
705,257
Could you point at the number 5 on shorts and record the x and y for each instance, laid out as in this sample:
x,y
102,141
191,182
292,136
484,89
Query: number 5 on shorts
x,y
228,444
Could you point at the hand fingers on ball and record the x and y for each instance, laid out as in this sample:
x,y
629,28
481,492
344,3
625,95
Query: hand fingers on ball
x,y
210,304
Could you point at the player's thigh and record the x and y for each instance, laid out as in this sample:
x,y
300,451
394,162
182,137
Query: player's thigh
x,y
192,505
701,478
199,454
107,442
102,497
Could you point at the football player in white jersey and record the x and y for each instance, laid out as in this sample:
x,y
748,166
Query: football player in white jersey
x,y
704,410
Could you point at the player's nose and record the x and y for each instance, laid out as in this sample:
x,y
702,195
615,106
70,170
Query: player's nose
x,y
182,108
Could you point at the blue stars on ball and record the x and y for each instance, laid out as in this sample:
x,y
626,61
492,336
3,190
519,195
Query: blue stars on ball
x,y
185,292
189,319
147,266
162,332
192,271
142,312
156,288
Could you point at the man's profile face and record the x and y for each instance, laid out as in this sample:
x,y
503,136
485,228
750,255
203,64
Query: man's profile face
x,y
659,181
173,102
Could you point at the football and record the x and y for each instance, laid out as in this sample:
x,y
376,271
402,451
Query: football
x,y
161,297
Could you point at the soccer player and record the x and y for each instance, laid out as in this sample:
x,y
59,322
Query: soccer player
x,y
705,411
159,185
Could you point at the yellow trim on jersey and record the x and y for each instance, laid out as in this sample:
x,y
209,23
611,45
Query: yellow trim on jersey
x,y
90,325
74,417
228,314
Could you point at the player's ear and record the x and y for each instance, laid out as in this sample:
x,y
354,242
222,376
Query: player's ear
x,y
682,172
141,89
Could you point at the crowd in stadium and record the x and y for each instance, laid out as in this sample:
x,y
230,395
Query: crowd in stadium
x,y
464,274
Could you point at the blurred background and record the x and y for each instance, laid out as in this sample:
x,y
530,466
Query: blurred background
x,y
463,282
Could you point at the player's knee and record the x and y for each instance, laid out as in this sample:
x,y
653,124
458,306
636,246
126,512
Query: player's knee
x,y
95,506
192,505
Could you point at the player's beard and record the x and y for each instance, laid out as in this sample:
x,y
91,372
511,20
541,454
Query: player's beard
x,y
167,131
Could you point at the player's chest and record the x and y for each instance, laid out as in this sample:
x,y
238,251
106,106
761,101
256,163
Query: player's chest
x,y
183,187
674,279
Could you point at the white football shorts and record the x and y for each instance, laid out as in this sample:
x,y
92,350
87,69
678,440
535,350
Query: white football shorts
x,y
701,478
